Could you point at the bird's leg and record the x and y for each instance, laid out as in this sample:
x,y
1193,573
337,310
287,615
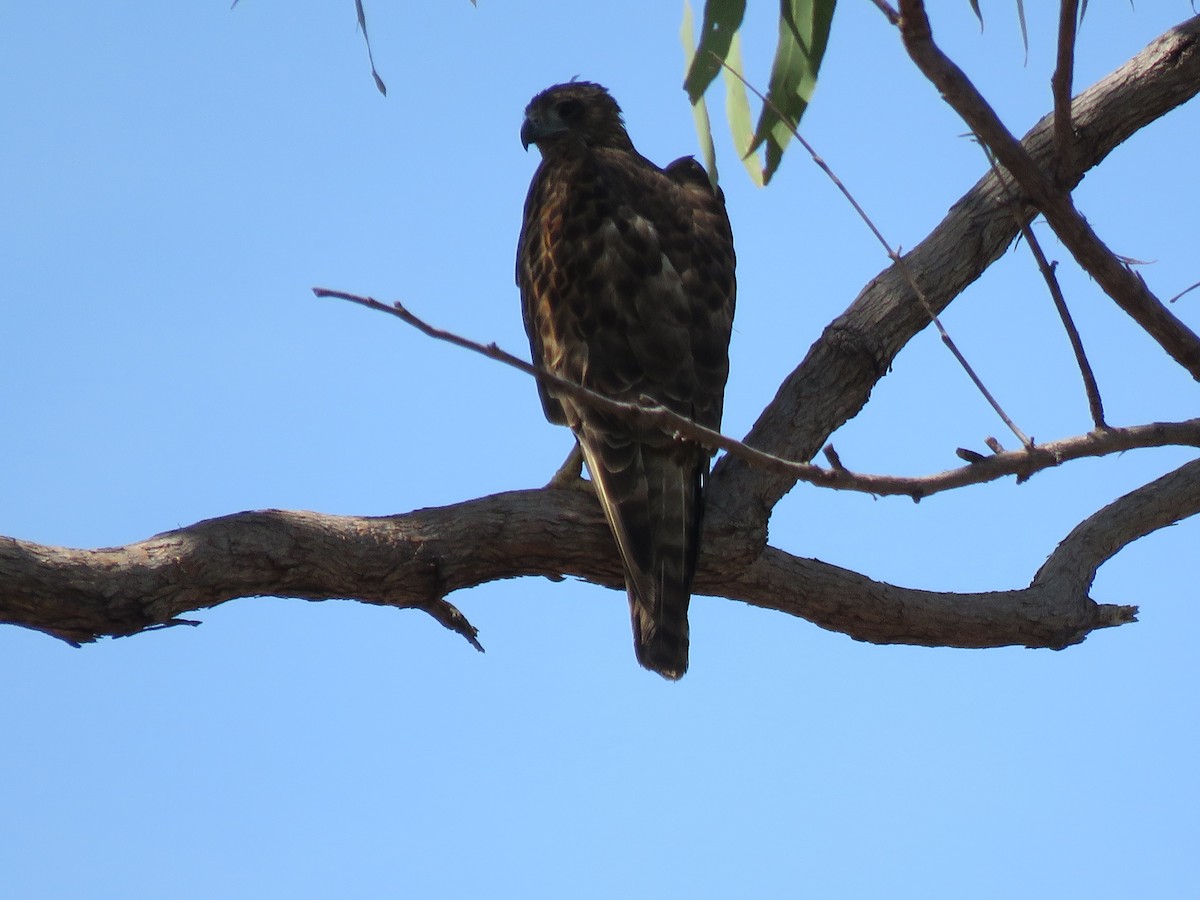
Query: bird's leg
x,y
570,473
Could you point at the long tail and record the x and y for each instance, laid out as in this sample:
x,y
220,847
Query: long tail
x,y
652,498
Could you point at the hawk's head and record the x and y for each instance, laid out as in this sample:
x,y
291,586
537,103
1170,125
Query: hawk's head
x,y
578,111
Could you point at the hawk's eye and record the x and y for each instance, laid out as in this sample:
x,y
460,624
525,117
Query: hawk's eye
x,y
568,109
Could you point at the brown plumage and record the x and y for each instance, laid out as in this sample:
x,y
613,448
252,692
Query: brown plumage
x,y
626,274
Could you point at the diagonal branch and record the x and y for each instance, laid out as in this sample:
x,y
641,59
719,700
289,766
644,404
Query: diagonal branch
x,y
835,379
1120,282
1060,86
1095,404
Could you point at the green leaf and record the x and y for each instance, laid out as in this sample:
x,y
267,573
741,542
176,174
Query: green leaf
x,y
803,36
722,18
737,111
687,32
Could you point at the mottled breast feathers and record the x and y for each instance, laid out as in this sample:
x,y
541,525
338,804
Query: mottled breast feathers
x,y
626,273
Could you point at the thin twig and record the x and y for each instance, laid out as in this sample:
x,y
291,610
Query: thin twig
x,y
1060,87
1095,405
1184,291
647,411
1021,463
894,256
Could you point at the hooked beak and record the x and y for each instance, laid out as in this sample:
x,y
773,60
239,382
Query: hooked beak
x,y
535,129
528,133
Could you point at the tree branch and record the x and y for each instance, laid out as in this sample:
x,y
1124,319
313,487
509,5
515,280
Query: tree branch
x,y
1023,463
1120,282
414,560
1060,86
836,377
1097,539
1090,387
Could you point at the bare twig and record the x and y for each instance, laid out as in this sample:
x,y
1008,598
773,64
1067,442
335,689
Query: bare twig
x,y
1060,86
1021,463
1122,284
649,413
892,254
1184,291
835,461
1095,405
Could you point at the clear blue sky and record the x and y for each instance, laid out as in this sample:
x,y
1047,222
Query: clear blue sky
x,y
177,176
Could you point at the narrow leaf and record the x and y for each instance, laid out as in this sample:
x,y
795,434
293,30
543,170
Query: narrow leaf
x,y
737,111
803,36
721,21
687,34
1024,30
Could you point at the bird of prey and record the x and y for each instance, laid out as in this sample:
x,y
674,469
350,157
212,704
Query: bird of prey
x,y
626,274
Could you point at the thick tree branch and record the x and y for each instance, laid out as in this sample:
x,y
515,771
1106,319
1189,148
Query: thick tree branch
x,y
415,560
852,604
1119,281
835,379
1097,539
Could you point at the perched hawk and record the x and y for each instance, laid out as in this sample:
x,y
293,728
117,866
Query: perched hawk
x,y
626,274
